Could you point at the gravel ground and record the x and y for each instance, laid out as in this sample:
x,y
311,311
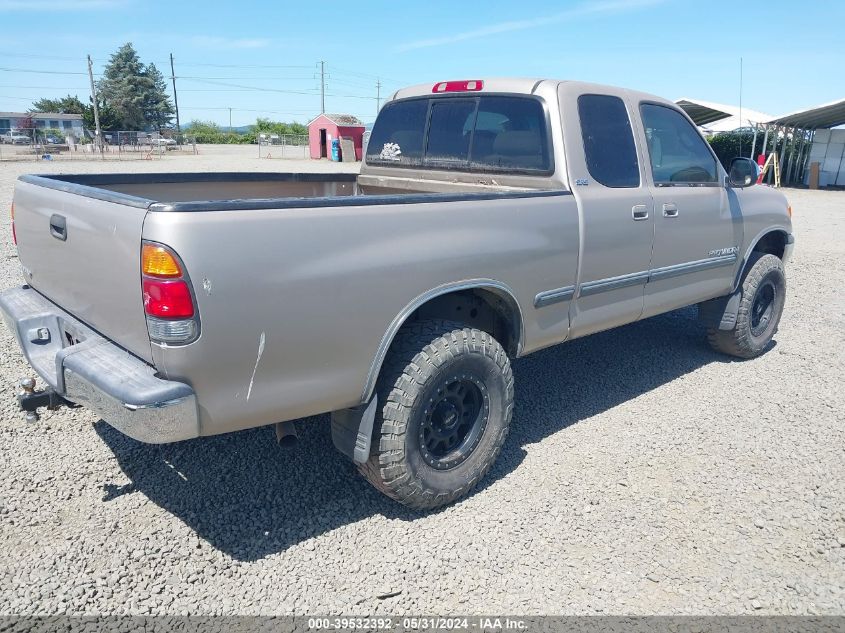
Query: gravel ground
x,y
643,474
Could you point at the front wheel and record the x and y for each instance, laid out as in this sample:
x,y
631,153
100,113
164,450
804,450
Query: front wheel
x,y
446,395
760,309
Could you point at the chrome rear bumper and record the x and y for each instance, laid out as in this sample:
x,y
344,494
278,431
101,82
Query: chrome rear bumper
x,y
88,369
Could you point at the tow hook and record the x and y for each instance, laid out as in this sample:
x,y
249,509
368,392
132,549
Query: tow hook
x,y
31,400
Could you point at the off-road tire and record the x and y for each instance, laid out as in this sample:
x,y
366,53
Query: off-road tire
x,y
426,359
764,273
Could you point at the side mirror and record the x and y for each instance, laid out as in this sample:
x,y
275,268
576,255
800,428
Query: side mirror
x,y
743,172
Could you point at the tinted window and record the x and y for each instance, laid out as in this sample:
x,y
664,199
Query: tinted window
x,y
676,150
476,134
398,134
449,131
510,134
608,141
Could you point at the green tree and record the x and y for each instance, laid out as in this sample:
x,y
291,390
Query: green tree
x,y
72,104
65,105
109,118
127,87
158,110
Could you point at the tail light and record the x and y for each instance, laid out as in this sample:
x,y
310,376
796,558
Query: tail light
x,y
14,235
169,303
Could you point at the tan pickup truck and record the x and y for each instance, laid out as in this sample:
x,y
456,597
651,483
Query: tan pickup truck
x,y
491,218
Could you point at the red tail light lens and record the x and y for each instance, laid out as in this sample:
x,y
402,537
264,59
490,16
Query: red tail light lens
x,y
14,234
172,315
168,299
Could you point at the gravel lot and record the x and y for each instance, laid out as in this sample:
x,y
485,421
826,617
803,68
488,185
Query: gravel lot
x,y
643,474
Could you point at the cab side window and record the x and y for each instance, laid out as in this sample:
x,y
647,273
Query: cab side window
x,y
676,150
608,141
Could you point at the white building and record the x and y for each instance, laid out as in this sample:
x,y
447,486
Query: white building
x,y
66,123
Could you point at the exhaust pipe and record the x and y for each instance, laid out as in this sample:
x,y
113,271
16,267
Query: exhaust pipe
x,y
286,435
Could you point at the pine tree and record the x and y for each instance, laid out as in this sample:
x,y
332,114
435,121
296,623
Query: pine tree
x,y
158,110
126,87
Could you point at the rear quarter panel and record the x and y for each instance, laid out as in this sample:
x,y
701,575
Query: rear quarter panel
x,y
294,303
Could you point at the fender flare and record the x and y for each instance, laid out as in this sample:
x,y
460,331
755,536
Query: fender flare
x,y
744,261
499,288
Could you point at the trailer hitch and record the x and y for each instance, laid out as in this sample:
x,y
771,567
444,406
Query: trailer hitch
x,y
31,400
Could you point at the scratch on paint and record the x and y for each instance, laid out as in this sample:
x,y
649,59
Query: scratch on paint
x,y
206,285
257,360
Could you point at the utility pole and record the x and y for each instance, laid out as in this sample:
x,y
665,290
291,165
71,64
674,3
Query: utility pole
x,y
378,95
230,120
96,108
175,100
741,124
322,87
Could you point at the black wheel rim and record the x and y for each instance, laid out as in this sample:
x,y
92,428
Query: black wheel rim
x,y
453,421
762,308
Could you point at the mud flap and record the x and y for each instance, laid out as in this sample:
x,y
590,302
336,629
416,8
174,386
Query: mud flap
x,y
352,430
720,313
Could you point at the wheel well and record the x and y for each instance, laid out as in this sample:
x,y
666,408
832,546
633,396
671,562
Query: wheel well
x,y
773,243
481,308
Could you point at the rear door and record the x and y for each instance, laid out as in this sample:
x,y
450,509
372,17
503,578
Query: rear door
x,y
604,167
696,232
84,255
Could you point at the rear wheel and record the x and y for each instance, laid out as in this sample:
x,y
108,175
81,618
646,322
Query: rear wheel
x,y
447,394
760,309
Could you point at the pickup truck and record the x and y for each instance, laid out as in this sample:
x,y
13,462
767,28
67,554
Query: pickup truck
x,y
490,219
15,138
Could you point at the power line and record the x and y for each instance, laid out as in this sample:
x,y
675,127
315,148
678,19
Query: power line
x,y
44,72
41,87
255,88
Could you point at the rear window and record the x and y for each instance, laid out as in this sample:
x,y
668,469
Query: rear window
x,y
489,133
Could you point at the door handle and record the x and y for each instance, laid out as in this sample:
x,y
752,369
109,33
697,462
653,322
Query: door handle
x,y
58,227
639,212
670,210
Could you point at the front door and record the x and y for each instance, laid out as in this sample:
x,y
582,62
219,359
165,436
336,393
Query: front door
x,y
617,220
696,232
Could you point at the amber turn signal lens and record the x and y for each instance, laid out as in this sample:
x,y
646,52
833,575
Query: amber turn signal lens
x,y
157,261
789,210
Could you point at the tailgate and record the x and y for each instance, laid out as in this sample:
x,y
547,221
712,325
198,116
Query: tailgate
x,y
84,255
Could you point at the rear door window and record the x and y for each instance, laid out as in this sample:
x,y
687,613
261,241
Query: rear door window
x,y
676,150
609,147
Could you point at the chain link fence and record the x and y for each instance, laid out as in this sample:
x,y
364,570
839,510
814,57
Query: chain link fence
x,y
36,144
282,145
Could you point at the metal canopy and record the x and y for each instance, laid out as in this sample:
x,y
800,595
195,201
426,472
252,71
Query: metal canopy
x,y
704,112
824,116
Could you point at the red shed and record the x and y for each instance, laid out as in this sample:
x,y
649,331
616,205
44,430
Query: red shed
x,y
327,127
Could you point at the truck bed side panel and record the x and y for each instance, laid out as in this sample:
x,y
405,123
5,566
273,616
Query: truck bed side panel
x,y
294,302
94,273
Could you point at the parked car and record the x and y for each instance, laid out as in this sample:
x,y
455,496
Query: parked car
x,y
490,219
15,138
167,143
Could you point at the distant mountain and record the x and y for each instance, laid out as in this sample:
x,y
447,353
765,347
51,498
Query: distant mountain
x,y
239,129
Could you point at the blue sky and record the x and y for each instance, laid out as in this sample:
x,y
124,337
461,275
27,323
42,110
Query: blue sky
x,y
260,58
